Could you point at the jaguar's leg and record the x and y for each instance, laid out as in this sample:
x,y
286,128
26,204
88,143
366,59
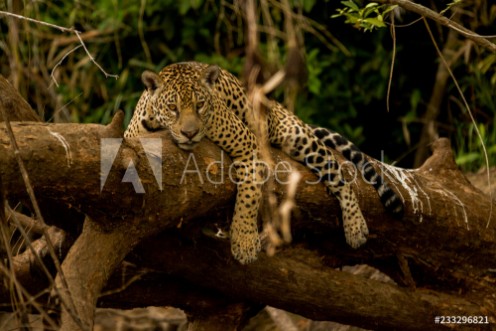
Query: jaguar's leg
x,y
245,239
298,141
241,145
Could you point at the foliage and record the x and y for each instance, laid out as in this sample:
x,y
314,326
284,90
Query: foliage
x,y
368,18
469,155
348,71
480,88
478,83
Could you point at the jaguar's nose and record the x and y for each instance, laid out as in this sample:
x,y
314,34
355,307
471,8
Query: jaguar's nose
x,y
190,133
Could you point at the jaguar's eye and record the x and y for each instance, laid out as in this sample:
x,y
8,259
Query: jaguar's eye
x,y
200,104
172,107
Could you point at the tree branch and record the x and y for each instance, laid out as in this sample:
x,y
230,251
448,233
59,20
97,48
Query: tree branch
x,y
440,205
426,12
14,105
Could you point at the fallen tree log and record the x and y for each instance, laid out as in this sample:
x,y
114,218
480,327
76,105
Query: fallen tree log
x,y
442,252
71,167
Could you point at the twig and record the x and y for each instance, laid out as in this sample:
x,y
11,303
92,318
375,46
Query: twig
x,y
31,300
426,12
63,29
391,70
288,25
273,82
107,75
32,197
20,162
318,30
467,106
288,205
25,221
60,62
269,27
141,33
140,273
16,296
251,26
62,41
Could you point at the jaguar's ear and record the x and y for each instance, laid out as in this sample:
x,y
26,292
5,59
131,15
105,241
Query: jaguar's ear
x,y
211,75
151,80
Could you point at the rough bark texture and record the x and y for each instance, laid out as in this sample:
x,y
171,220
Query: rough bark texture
x,y
16,107
442,253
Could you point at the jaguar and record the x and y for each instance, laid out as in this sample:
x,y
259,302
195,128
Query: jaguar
x,y
194,100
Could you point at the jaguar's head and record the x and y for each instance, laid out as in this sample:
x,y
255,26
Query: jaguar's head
x,y
179,99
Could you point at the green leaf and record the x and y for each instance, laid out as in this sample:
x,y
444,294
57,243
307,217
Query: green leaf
x,y
388,9
372,4
351,5
486,64
375,22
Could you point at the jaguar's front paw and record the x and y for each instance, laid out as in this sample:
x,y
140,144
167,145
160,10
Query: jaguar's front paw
x,y
355,229
245,246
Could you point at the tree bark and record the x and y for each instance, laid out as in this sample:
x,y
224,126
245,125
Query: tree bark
x,y
437,274
442,253
16,107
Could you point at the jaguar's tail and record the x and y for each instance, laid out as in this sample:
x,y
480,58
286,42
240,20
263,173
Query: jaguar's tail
x,y
389,198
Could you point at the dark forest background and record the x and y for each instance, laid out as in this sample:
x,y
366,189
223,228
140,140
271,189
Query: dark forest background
x,y
81,61
348,68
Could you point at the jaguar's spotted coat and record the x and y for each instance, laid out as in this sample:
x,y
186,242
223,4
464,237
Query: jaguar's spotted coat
x,y
194,100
